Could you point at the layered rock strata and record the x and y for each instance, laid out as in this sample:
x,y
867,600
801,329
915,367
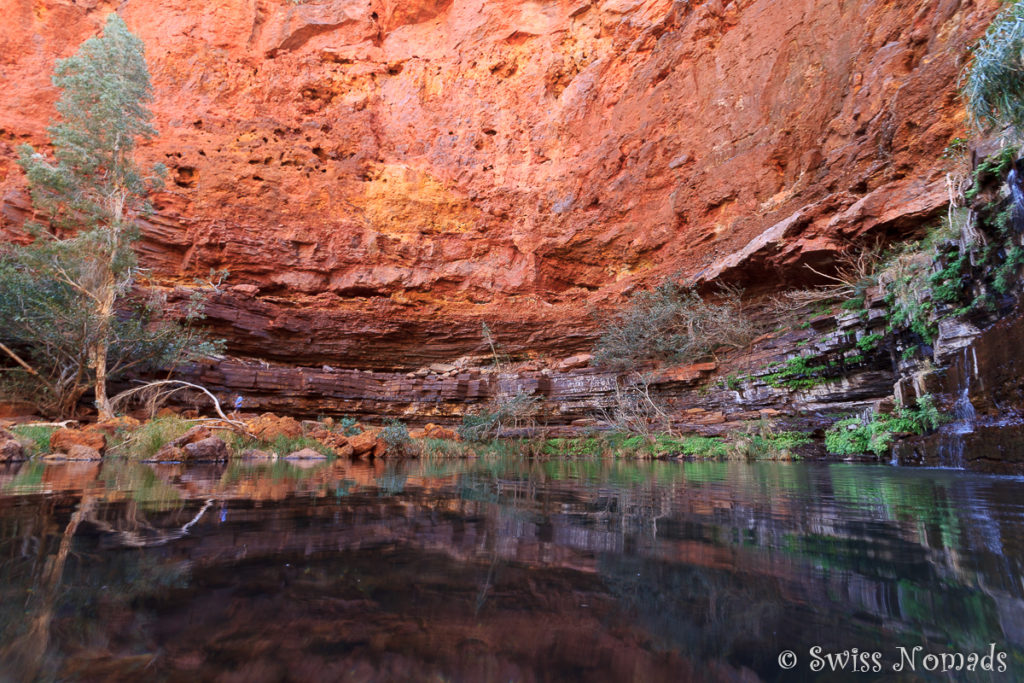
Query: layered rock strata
x,y
508,160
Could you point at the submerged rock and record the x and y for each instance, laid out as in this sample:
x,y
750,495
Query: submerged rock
x,y
255,454
78,452
306,454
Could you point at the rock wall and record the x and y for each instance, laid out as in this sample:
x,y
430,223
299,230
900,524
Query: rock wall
x,y
401,171
709,398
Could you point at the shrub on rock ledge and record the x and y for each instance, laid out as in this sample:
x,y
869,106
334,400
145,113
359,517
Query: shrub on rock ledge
x,y
673,323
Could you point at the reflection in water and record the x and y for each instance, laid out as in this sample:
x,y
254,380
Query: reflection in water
x,y
504,569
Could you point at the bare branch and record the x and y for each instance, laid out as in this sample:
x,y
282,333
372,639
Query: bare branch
x,y
238,425
28,368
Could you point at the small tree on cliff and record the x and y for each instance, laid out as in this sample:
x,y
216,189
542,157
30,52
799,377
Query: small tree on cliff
x,y
68,317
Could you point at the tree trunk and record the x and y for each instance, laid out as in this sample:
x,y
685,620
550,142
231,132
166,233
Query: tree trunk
x,y
102,401
106,314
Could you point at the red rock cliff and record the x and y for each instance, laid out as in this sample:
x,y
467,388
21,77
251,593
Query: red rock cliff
x,y
387,174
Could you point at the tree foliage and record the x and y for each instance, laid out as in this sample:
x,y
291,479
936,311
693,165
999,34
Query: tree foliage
x,y
72,315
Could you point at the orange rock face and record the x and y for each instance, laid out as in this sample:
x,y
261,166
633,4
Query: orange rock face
x,y
63,440
375,168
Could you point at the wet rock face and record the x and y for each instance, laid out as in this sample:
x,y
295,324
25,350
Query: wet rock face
x,y
445,154
993,448
991,371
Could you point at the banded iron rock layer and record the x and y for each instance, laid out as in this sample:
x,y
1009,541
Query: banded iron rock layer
x,y
380,177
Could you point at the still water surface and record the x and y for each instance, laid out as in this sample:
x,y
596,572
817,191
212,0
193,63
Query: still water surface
x,y
505,570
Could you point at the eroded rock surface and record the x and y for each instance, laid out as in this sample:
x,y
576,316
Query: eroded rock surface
x,y
380,169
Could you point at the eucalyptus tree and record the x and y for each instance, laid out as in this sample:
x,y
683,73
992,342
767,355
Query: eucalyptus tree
x,y
71,314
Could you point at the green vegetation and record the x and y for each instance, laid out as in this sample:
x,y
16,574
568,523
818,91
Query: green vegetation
x,y
905,279
869,342
145,441
396,436
859,436
444,448
926,280
346,426
957,148
762,442
993,167
672,323
758,441
800,372
854,304
993,85
71,319
626,445
34,438
150,437
281,444
504,414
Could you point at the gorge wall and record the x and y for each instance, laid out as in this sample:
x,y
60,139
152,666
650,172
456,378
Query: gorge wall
x,y
380,177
